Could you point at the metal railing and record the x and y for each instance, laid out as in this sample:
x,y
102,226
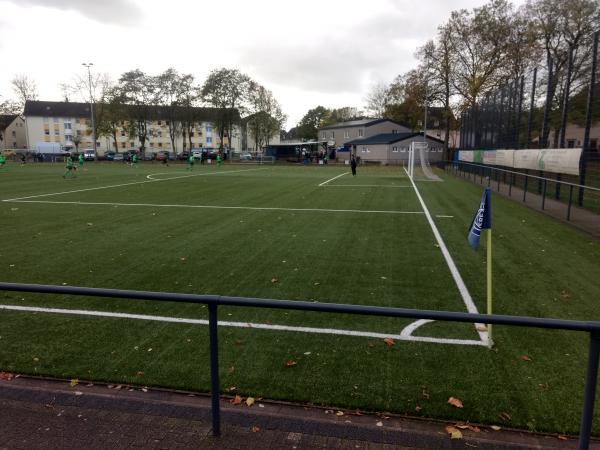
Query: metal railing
x,y
508,178
214,301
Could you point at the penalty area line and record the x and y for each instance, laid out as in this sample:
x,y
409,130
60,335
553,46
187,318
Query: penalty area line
x,y
260,326
334,178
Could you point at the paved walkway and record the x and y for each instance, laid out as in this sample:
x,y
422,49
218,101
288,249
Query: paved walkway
x,y
49,414
580,218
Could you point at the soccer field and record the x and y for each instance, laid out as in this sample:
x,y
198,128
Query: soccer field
x,y
298,233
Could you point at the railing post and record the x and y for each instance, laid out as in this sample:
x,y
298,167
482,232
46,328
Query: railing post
x,y
544,195
590,391
525,187
570,202
215,387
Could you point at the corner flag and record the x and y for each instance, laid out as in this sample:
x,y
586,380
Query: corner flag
x,y
482,219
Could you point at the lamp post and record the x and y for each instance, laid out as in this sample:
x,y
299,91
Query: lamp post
x,y
88,65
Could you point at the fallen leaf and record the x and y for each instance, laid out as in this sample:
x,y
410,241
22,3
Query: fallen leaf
x,y
250,401
291,363
544,386
317,283
236,401
525,358
495,428
78,393
565,295
474,429
481,328
454,432
231,389
255,429
455,402
90,224
6,376
139,373
149,349
563,438
462,426
389,342
384,278
74,382
505,416
379,424
183,258
418,408
144,389
274,280
339,413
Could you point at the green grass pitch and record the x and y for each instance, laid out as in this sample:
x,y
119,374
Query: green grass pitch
x,y
278,232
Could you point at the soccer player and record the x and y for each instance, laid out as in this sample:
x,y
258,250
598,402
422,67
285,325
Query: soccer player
x,y
353,165
70,169
191,162
2,161
134,160
81,160
218,160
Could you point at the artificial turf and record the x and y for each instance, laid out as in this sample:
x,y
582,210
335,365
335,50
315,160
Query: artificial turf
x,y
273,232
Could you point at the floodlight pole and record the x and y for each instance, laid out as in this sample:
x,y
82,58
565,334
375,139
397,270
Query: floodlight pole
x,y
88,65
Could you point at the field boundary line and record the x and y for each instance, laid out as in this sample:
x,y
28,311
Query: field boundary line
x,y
249,325
334,178
251,208
368,185
460,284
124,184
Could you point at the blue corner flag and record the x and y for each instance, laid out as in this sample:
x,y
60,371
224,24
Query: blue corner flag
x,y
482,220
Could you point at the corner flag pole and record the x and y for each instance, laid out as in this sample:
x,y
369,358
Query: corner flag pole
x,y
489,283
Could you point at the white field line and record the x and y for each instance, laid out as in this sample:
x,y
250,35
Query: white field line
x,y
400,337
331,179
366,185
464,292
444,217
251,208
126,184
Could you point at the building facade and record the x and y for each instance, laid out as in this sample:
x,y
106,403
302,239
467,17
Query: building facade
x,y
12,131
339,134
393,148
68,125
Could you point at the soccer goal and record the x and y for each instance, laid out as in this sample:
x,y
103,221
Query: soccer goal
x,y
418,158
247,158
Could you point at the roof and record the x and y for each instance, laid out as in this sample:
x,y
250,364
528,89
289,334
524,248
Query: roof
x,y
388,138
358,123
75,109
6,120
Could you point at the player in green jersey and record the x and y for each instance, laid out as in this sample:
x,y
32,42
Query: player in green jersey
x,y
70,169
191,161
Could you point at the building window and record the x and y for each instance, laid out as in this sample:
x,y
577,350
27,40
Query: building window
x,y
208,129
403,149
167,123
160,134
209,140
14,133
78,132
394,131
395,149
123,145
332,135
56,132
346,134
365,149
123,133
436,123
360,132
67,125
47,132
322,135
571,143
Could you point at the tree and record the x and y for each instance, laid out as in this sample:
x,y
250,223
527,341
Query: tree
x,y
343,114
10,107
225,89
110,113
171,94
25,89
407,99
138,91
377,100
308,127
267,118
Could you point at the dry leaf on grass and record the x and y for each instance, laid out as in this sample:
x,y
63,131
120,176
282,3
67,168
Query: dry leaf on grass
x,y
74,382
274,280
525,358
389,342
255,429
6,376
563,438
495,428
250,401
379,424
339,413
291,363
455,402
236,401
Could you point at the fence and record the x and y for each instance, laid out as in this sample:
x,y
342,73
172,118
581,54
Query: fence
x,y
214,301
556,106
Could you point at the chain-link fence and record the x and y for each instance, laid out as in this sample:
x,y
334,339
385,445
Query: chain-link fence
x,y
545,109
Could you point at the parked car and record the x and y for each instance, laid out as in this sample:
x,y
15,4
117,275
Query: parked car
x,y
109,156
118,157
149,156
89,155
183,156
161,156
246,157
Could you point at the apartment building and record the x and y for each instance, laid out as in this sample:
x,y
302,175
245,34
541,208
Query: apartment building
x,y
12,132
69,125
339,134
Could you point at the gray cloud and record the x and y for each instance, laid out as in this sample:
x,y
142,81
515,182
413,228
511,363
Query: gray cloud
x,y
377,49
121,12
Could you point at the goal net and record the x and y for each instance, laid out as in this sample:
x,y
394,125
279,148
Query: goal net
x,y
246,158
418,162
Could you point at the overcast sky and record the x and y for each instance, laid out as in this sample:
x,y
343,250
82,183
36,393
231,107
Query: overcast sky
x,y
309,52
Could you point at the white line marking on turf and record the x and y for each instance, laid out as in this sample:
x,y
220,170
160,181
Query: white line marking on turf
x,y
366,185
252,208
410,328
400,337
331,179
464,292
126,184
444,217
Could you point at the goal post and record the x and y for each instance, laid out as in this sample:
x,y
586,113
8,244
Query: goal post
x,y
418,158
